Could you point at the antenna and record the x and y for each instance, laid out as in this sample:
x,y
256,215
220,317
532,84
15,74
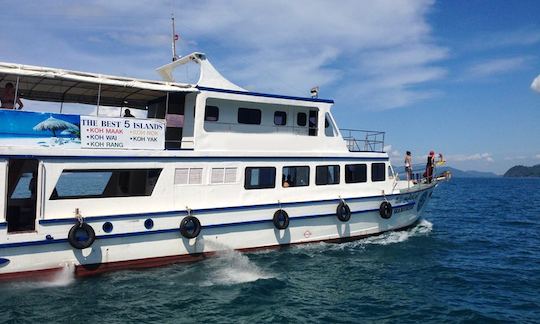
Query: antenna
x,y
174,39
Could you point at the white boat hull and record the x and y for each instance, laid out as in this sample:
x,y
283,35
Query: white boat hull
x,y
131,245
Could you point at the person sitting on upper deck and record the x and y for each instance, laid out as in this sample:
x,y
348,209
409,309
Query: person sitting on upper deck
x,y
7,98
127,113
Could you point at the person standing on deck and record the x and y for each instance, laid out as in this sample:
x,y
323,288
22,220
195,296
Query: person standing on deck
x,y
429,166
7,98
408,165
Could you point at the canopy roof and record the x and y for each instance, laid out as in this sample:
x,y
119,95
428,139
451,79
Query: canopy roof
x,y
57,85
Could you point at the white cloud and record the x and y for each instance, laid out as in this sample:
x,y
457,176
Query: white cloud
x,y
497,66
473,157
537,156
519,37
391,153
514,158
382,50
535,85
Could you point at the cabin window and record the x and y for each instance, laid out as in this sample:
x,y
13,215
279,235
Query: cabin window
x,y
301,119
280,118
327,175
391,174
188,176
260,178
75,184
223,175
329,128
249,116
295,176
378,172
211,113
355,173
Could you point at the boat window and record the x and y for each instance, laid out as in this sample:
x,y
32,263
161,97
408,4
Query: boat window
x,y
260,178
301,119
295,176
188,176
329,128
280,118
327,174
75,184
211,113
223,175
249,116
355,173
378,172
391,173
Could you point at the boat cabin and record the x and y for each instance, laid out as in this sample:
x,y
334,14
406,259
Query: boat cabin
x,y
212,115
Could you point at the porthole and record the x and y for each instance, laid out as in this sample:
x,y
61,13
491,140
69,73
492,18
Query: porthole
x,y
107,227
149,223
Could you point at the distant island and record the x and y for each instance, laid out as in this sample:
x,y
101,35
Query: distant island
x,y
457,173
523,171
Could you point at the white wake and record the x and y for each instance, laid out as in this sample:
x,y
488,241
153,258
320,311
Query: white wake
x,y
231,267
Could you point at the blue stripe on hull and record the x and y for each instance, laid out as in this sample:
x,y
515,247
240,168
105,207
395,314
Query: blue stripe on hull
x,y
212,210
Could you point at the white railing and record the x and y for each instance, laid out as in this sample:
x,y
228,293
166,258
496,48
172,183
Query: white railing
x,y
363,141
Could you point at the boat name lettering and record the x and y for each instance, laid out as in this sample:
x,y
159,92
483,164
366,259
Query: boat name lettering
x,y
407,198
403,208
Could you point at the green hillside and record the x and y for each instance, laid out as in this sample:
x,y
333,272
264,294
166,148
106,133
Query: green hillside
x,y
523,171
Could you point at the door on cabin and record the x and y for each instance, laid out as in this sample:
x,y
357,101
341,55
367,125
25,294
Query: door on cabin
x,y
21,195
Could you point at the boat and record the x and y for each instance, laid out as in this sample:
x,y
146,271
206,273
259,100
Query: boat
x,y
209,166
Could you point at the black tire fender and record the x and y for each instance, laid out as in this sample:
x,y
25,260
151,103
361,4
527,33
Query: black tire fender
x,y
281,219
81,229
343,212
385,210
190,227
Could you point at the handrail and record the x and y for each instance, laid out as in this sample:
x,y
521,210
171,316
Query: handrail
x,y
359,140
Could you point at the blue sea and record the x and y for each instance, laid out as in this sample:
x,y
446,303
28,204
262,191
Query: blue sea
x,y
474,258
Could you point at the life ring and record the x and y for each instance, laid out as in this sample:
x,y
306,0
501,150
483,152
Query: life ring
x,y
81,236
343,212
190,227
385,210
281,219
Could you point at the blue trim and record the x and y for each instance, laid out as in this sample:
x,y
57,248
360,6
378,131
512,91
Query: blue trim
x,y
243,158
266,95
4,262
3,225
205,211
173,230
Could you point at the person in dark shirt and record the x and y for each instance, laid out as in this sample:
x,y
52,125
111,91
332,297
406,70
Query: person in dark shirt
x,y
7,98
127,113
429,166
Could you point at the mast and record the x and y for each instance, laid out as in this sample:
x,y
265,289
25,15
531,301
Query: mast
x,y
174,39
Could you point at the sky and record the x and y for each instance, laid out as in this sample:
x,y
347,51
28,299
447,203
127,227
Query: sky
x,y
450,76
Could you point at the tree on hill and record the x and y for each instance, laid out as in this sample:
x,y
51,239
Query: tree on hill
x,y
523,171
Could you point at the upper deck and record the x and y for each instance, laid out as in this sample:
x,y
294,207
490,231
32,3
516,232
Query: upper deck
x,y
211,117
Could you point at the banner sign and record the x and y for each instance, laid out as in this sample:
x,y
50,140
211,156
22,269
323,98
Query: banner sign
x,y
122,133
39,129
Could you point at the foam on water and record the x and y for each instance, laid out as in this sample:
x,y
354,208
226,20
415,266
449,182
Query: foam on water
x,y
65,277
232,267
423,228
